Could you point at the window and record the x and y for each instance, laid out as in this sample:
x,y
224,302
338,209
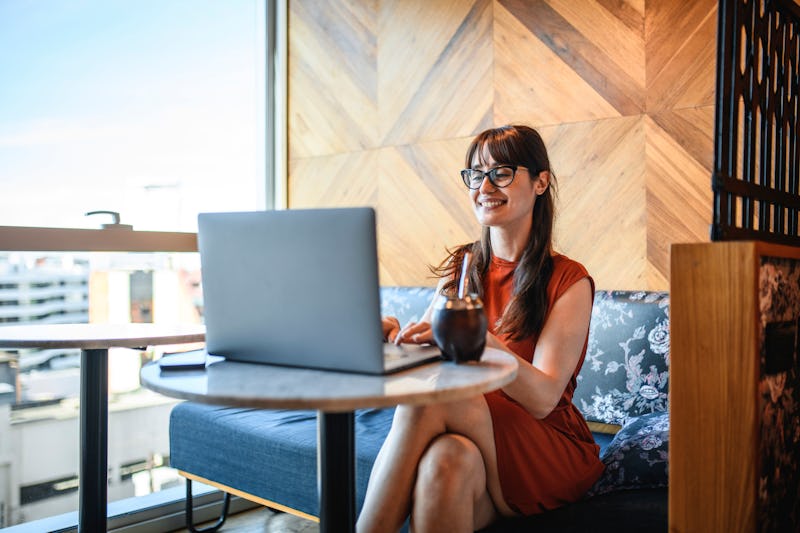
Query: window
x,y
156,110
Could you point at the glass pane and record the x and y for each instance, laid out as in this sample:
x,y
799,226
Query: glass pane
x,y
153,109
39,389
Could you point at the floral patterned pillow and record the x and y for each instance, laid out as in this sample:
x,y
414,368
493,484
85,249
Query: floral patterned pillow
x,y
637,457
626,370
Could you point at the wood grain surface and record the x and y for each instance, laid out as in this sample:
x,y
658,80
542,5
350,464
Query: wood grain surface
x,y
385,95
713,377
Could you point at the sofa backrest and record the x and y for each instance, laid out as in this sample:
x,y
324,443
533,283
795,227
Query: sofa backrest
x,y
626,371
405,303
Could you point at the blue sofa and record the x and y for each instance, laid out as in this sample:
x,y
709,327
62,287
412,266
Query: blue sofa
x,y
270,456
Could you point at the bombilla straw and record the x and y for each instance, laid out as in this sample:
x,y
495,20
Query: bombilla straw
x,y
462,284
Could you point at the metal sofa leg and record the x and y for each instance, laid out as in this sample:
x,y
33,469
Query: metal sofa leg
x,y
226,502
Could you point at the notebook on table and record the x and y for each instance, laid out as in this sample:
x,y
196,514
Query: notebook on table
x,y
298,287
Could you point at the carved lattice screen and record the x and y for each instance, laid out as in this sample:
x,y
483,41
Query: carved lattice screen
x,y
756,155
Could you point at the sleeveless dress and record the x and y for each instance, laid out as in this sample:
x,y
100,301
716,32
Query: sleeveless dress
x,y
543,463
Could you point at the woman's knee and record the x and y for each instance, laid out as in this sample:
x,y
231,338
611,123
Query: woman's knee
x,y
451,463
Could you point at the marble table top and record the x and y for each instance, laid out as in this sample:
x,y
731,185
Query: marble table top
x,y
277,387
98,336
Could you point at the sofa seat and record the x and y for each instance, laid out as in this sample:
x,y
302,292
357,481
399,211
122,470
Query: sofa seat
x,y
268,445
271,445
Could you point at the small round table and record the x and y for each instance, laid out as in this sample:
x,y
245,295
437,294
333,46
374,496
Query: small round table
x,y
335,395
94,340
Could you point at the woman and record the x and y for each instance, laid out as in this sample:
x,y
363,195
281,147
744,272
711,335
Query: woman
x,y
523,449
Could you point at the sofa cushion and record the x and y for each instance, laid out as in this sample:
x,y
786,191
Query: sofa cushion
x,y
637,457
405,303
626,370
268,453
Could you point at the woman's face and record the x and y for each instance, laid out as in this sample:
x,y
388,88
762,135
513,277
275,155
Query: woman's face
x,y
511,207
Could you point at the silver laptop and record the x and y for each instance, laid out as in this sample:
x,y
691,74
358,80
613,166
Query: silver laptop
x,y
298,288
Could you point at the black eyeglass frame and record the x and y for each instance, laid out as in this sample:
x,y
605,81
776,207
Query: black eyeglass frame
x,y
491,174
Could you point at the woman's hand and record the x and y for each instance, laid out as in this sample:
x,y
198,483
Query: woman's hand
x,y
391,327
415,333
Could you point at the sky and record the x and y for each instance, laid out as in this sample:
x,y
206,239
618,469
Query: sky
x,y
153,108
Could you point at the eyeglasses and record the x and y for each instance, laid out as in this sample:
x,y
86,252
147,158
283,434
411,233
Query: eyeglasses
x,y
500,177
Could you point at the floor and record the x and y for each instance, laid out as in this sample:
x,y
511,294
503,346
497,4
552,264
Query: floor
x,y
265,520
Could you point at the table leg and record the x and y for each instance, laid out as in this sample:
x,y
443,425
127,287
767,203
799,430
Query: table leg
x,y
93,480
337,508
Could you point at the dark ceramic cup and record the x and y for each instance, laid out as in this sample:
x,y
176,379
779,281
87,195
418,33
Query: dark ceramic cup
x,y
459,327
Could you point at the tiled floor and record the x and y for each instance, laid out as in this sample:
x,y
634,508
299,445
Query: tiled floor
x,y
265,520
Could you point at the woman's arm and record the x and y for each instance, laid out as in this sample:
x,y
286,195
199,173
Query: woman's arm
x,y
539,386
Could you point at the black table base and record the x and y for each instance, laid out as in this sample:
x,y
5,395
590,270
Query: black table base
x,y
337,507
93,478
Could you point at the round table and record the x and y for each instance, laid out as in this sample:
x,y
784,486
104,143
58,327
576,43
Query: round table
x,y
335,395
94,340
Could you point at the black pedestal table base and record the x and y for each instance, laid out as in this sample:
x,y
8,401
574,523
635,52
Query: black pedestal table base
x,y
93,480
337,472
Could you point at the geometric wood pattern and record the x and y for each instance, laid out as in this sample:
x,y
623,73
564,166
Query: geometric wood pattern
x,y
591,179
434,70
384,97
678,204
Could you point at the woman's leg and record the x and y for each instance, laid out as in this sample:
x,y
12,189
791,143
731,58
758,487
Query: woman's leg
x,y
450,493
393,478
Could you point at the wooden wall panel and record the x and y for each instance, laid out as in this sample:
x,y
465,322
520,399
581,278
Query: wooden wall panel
x,y
622,92
423,207
611,65
332,76
680,54
679,161
609,171
347,179
533,84
435,69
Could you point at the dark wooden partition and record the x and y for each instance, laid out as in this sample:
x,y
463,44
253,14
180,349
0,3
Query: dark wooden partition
x,y
756,177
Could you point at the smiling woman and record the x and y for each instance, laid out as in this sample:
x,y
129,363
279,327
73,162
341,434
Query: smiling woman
x,y
150,110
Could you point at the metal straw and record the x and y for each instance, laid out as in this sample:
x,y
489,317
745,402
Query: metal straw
x,y
462,283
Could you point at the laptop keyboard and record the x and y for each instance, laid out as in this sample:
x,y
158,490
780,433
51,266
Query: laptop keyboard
x,y
393,352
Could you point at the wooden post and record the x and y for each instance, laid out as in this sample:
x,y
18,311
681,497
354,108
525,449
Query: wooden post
x,y
717,439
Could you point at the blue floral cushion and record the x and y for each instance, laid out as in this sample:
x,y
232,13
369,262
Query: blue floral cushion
x,y
637,457
405,303
626,370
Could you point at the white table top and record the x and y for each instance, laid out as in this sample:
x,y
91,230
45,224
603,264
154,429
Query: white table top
x,y
276,387
98,336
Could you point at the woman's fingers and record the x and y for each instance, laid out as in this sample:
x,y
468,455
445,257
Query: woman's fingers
x,y
415,332
391,327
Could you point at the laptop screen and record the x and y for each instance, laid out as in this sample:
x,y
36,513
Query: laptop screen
x,y
293,287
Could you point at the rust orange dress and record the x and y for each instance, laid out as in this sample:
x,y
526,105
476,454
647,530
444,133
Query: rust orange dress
x,y
543,463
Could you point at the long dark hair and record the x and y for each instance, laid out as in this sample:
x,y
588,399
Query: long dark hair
x,y
524,315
